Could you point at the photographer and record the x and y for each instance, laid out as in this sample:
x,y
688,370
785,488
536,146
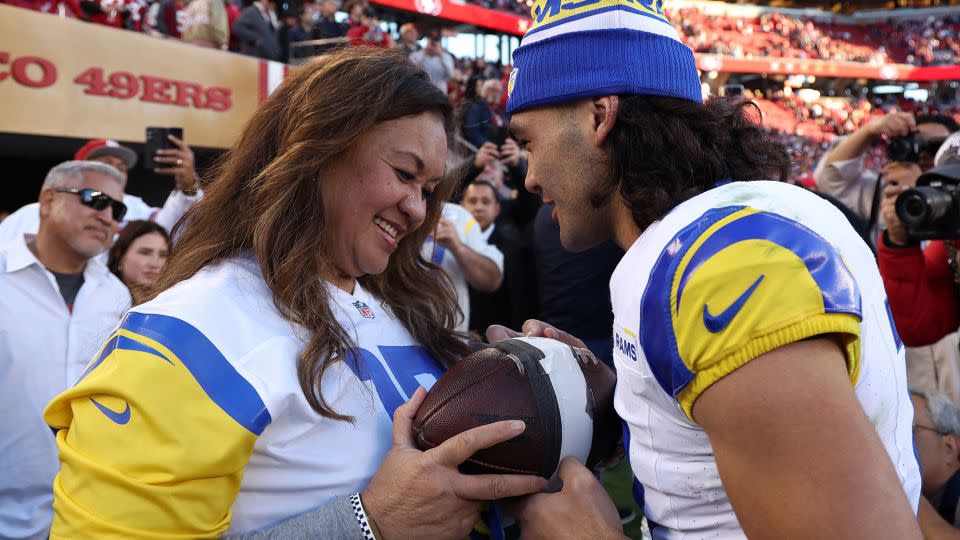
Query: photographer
x,y
921,282
911,145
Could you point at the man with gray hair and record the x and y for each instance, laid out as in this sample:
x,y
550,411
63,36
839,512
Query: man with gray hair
x,y
936,434
57,305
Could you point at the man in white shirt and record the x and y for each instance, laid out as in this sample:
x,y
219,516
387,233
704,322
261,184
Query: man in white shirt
x,y
58,303
435,61
180,163
460,249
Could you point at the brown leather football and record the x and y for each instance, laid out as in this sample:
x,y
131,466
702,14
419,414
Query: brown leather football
x,y
564,395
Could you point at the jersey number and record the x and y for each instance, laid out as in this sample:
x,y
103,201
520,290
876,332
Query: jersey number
x,y
411,365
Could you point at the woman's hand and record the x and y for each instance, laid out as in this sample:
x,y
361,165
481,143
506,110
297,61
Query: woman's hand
x,y
182,164
422,494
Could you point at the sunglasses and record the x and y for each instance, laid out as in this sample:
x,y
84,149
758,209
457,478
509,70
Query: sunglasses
x,y
98,201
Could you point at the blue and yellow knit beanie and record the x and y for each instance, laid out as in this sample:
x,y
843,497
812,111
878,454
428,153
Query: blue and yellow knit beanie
x,y
582,48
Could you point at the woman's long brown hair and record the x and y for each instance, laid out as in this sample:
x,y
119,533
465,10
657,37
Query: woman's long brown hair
x,y
266,200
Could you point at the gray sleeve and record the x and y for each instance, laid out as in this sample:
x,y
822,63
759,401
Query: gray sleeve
x,y
847,182
332,520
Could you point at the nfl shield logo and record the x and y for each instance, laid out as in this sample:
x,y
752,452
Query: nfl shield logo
x,y
364,309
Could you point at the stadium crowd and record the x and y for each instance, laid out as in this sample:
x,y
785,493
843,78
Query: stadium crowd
x,y
267,32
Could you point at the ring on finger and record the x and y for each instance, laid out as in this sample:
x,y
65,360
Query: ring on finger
x,y
179,162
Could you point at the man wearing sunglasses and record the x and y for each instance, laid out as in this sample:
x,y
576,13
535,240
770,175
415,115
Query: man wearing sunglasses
x,y
177,162
58,302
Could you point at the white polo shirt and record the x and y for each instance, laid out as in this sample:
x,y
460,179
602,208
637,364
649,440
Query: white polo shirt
x,y
43,350
470,234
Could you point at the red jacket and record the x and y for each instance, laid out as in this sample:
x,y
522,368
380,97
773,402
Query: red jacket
x,y
920,287
361,35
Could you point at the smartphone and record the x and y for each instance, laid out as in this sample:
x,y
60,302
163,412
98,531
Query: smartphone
x,y
498,135
157,140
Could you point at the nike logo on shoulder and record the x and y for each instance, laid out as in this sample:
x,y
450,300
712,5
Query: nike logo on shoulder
x,y
716,323
115,417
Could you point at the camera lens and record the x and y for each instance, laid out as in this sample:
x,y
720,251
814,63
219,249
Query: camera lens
x,y
922,206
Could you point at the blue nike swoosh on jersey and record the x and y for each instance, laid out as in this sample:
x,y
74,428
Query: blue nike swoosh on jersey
x,y
716,323
115,417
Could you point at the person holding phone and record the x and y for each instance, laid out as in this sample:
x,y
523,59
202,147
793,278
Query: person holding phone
x,y
483,121
177,160
268,385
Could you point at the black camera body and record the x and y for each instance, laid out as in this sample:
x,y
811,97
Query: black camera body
x,y
931,210
905,148
911,148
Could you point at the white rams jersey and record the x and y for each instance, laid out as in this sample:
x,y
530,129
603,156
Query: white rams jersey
x,y
725,277
470,234
191,420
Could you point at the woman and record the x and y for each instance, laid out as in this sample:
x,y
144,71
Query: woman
x,y
138,255
258,382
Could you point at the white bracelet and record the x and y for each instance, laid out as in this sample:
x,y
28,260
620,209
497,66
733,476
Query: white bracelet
x,y
361,516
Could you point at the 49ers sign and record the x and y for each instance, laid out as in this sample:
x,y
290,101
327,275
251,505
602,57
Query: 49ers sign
x,y
62,77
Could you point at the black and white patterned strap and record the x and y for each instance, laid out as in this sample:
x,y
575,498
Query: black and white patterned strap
x,y
361,516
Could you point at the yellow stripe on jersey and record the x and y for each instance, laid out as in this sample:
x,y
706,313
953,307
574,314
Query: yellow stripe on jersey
x,y
734,285
469,225
154,438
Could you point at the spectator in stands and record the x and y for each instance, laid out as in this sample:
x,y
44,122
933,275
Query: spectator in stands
x,y
303,29
289,19
205,24
326,26
181,167
435,61
841,173
936,434
408,39
459,248
170,17
57,305
369,32
233,13
256,28
515,300
138,255
482,119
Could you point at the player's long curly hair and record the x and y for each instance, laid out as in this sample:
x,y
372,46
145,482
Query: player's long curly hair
x,y
664,151
266,200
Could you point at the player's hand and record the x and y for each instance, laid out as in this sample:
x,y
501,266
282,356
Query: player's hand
x,y
533,328
488,153
183,168
581,510
510,153
422,494
447,235
895,124
896,232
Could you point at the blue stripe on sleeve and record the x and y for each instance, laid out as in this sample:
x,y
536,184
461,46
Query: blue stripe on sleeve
x,y
217,376
657,340
893,325
122,343
837,286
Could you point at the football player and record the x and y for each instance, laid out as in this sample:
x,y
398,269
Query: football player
x,y
760,377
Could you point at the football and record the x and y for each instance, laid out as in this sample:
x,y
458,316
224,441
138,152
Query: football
x,y
564,394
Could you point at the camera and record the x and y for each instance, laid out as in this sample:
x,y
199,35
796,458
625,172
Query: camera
x,y
911,148
931,210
